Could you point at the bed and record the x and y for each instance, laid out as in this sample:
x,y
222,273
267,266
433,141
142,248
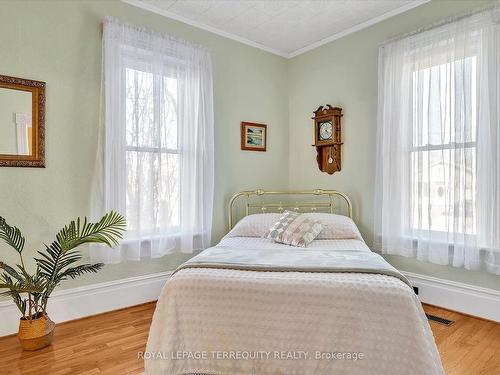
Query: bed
x,y
219,318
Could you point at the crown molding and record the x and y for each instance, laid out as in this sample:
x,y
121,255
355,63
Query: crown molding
x,y
225,34
199,25
358,27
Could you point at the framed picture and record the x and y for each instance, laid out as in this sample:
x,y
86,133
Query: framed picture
x,y
253,136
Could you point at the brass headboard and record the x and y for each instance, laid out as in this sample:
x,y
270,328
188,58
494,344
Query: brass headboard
x,y
327,204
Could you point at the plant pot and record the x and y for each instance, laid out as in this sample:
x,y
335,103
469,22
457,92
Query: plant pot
x,y
36,333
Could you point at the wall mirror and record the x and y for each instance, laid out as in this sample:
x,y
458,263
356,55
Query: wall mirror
x,y
22,122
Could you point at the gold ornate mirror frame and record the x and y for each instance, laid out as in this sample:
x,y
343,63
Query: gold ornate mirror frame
x,y
37,89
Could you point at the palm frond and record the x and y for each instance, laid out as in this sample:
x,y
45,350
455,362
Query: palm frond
x,y
17,287
13,289
6,282
49,259
57,262
70,257
54,261
16,297
48,262
11,271
73,272
108,230
12,236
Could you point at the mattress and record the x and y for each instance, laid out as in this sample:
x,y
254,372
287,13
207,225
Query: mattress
x,y
230,322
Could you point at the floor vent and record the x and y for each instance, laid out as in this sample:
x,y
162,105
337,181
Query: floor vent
x,y
440,320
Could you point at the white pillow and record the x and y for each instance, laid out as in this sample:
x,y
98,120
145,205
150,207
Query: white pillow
x,y
255,225
335,227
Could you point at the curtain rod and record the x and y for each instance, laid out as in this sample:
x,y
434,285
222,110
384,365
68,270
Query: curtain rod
x,y
442,22
154,33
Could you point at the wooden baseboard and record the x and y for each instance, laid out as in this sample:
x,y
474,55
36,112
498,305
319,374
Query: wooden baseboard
x,y
76,303
459,297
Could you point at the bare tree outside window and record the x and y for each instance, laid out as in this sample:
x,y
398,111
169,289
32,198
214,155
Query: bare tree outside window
x,y
152,151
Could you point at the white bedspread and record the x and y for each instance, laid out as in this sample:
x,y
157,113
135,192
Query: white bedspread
x,y
214,320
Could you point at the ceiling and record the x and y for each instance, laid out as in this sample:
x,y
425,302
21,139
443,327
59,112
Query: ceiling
x,y
284,27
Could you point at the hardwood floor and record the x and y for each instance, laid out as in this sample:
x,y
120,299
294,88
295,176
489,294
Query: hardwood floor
x,y
470,346
102,344
108,344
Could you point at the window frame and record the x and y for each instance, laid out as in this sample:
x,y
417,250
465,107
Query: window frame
x,y
133,64
439,235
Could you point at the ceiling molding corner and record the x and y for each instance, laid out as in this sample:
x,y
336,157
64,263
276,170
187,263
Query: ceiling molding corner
x,y
358,27
199,25
225,34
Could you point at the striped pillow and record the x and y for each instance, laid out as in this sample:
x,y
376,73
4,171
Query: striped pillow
x,y
280,226
300,232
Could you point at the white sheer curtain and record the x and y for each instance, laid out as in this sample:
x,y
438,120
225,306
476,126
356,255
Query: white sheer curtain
x,y
438,145
156,149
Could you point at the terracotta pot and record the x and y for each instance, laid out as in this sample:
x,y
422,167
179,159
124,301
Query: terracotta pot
x,y
36,333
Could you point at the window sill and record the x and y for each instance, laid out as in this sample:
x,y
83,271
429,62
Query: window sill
x,y
151,237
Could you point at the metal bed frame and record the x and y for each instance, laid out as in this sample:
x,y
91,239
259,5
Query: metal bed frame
x,y
327,205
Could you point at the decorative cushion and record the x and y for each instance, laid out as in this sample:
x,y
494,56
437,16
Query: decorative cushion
x,y
300,232
281,225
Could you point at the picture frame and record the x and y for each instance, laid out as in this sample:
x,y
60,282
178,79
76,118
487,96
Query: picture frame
x,y
253,136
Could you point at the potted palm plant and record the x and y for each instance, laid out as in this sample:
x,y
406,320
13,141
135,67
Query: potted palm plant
x,y
56,263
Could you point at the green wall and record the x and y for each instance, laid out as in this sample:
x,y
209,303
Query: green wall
x,y
59,42
344,73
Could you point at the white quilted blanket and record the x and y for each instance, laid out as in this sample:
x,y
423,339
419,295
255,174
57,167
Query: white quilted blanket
x,y
230,322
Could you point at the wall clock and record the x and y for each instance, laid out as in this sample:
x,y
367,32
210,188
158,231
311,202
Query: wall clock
x,y
327,138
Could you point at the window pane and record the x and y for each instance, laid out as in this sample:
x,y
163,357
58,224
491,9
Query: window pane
x,y
443,190
140,123
444,103
152,191
151,110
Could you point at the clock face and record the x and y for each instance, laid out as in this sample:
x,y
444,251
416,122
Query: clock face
x,y
325,130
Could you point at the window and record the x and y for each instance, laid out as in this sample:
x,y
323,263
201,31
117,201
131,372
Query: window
x,y
437,186
443,151
156,150
152,153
